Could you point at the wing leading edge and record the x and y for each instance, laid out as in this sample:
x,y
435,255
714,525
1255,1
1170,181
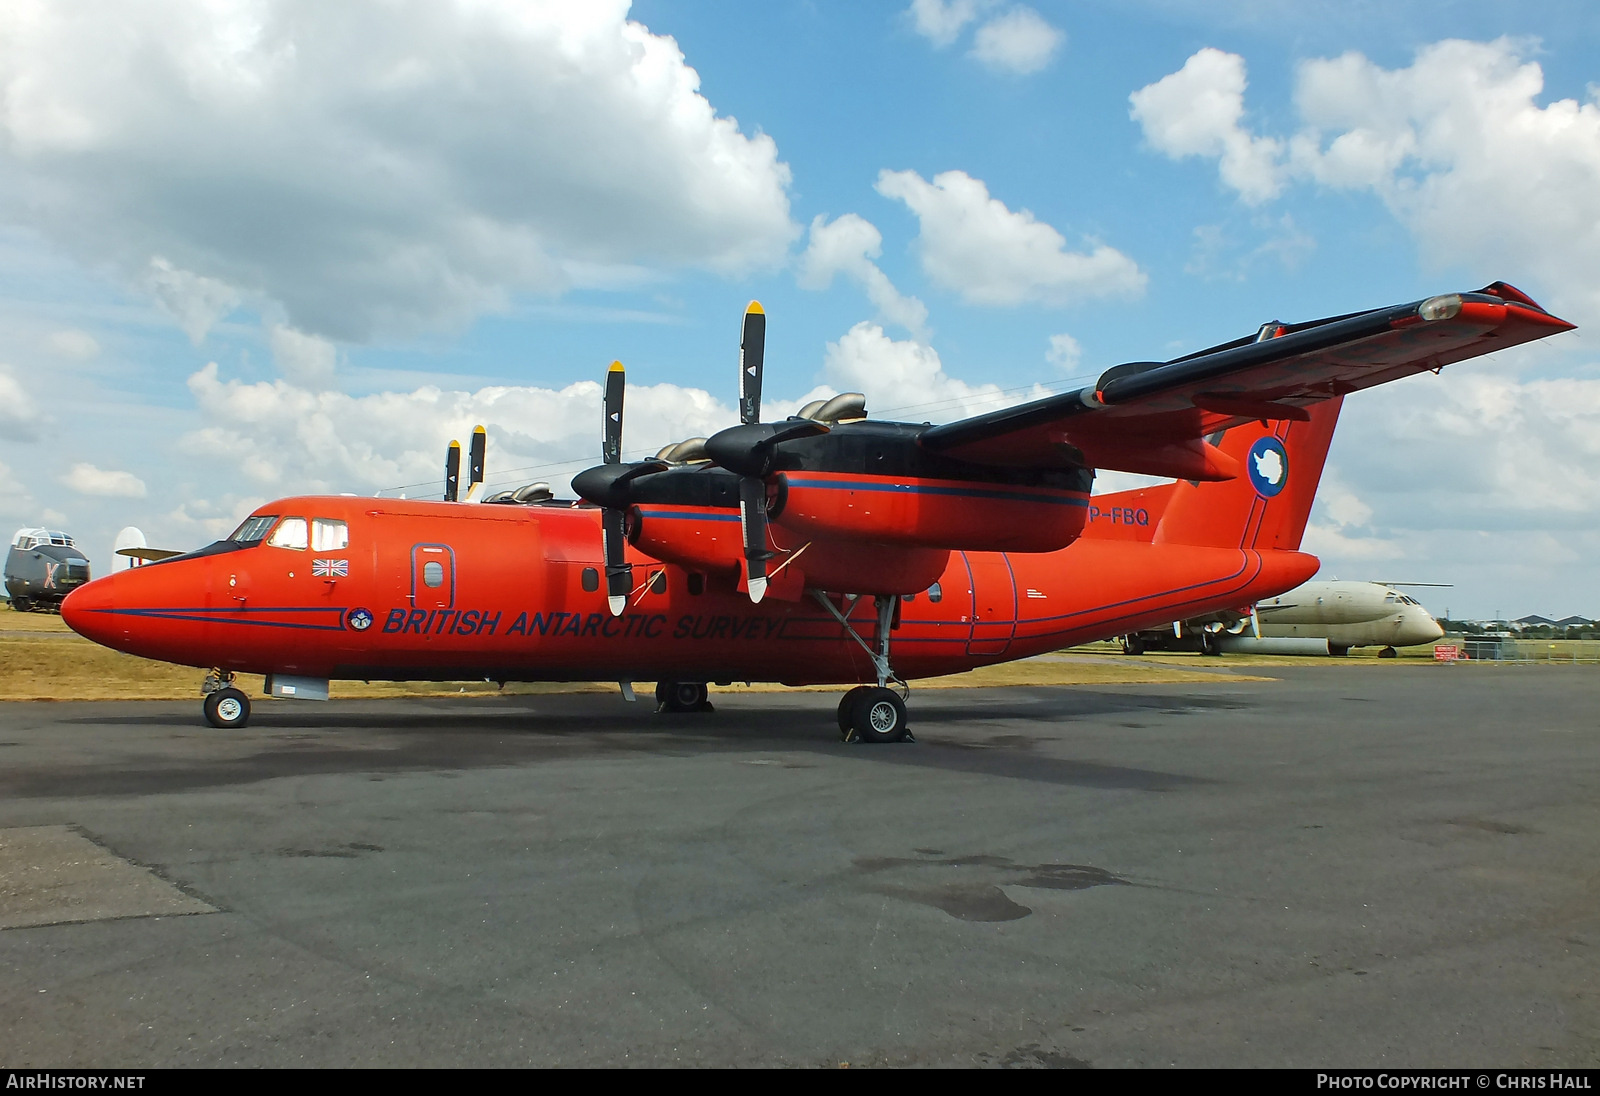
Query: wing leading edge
x,y
1153,417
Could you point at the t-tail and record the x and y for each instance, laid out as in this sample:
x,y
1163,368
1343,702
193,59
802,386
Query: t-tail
x,y
1266,506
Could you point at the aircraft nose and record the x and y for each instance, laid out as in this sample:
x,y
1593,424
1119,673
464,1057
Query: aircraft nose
x,y
87,610
1417,627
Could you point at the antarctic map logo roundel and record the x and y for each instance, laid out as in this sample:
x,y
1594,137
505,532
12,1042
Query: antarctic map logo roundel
x,y
358,619
1268,465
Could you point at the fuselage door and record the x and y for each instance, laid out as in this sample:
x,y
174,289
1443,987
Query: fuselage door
x,y
433,576
994,602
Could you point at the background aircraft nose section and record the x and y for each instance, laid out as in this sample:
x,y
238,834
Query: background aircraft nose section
x,y
1417,627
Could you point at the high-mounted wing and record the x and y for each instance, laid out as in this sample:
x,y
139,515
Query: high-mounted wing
x,y
1153,417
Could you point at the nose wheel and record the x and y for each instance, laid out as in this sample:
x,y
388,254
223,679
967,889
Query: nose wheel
x,y
226,709
224,706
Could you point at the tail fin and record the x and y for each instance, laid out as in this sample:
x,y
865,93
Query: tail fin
x,y
1267,506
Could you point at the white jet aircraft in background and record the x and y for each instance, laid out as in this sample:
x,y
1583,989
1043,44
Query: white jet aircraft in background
x,y
1322,617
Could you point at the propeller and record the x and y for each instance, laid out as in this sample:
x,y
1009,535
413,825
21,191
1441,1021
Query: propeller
x,y
452,472
607,485
748,449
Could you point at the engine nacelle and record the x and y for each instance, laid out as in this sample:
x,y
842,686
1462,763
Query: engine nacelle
x,y
929,513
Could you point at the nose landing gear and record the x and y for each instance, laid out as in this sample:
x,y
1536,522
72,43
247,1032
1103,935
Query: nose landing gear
x,y
224,706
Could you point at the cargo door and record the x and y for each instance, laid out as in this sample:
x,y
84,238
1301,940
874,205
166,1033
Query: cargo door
x,y
994,602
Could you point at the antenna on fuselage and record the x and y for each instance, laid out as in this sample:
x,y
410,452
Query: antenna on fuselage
x,y
452,472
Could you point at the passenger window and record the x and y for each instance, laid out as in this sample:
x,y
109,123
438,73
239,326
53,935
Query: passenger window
x,y
658,583
433,573
935,593
697,583
290,533
591,579
328,535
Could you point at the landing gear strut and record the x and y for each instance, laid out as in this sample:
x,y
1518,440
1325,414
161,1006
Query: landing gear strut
x,y
873,713
225,707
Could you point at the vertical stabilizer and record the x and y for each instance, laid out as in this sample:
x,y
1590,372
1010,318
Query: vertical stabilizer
x,y
1268,505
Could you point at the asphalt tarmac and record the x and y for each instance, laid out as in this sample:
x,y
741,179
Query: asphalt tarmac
x,y
1350,866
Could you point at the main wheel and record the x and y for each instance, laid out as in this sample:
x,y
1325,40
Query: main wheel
x,y
878,715
227,709
1388,652
682,696
847,705
1338,650
1210,644
1132,645
21,604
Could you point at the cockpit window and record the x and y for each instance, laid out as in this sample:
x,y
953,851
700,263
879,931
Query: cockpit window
x,y
328,535
290,533
254,530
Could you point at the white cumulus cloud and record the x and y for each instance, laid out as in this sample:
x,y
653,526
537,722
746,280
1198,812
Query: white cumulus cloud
x,y
1457,145
374,165
847,246
1019,42
86,479
280,438
20,417
974,245
942,21
1065,353
304,360
907,374
1198,111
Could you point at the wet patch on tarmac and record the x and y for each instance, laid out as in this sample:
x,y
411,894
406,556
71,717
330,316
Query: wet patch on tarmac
x,y
968,888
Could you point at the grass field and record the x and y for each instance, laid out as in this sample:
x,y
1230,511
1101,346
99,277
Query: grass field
x,y
42,659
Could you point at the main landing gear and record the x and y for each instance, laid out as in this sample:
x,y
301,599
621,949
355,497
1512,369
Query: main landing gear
x,y
225,707
678,697
871,713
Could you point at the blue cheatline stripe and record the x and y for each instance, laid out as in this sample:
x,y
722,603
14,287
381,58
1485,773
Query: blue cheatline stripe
x,y
687,515
913,489
231,616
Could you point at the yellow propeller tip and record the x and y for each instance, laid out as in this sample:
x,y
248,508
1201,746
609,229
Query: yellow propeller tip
x,y
616,367
755,309
479,430
455,445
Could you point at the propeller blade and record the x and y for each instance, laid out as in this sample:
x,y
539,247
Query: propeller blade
x,y
452,472
619,572
611,429
752,352
480,445
753,522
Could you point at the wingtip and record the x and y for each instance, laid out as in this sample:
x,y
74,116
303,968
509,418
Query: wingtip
x,y
617,603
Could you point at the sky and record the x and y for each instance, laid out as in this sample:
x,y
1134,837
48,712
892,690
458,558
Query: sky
x,y
254,248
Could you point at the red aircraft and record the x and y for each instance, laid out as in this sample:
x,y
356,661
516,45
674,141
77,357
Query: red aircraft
x,y
750,556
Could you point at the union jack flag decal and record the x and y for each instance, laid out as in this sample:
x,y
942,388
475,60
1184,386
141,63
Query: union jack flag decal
x,y
330,568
